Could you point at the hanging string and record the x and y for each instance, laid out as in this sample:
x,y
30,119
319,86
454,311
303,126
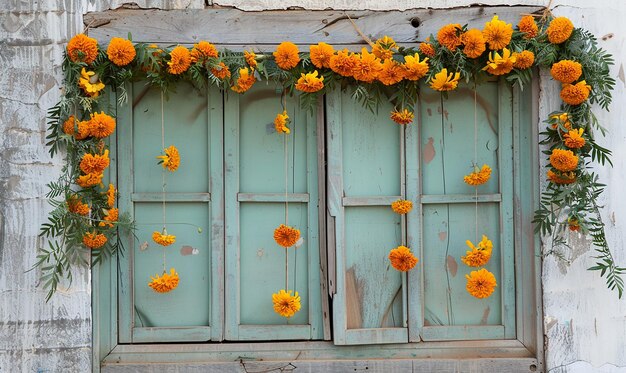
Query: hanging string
x,y
163,171
285,155
293,190
476,164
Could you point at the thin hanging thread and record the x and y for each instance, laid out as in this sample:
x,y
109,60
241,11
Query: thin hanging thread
x,y
293,190
163,171
285,155
476,165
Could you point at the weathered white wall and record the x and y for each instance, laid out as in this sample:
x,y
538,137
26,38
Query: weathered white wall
x,y
585,323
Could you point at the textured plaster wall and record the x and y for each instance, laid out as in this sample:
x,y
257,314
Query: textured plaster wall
x,y
585,324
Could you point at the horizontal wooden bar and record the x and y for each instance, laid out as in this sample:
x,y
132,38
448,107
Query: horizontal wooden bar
x,y
171,197
459,198
273,197
462,332
274,332
172,334
370,201
377,336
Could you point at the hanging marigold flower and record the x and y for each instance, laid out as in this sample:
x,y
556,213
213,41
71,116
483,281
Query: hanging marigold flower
x,y
90,83
574,139
481,283
563,118
402,117
478,177
343,63
287,55
414,69
524,60
89,180
202,51
563,160
402,206
561,177
448,36
111,195
71,124
321,55
164,283
575,94
82,48
367,67
478,255
121,51
573,224
162,238
384,48
528,26
171,159
110,218
180,60
221,71
500,65
76,206
427,49
402,258
281,121
391,73
250,58
497,33
101,125
473,43
566,71
245,80
286,304
559,30
444,82
286,236
94,163
94,240
310,82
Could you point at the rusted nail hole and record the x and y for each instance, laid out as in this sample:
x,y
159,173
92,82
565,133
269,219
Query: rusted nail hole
x,y
533,368
415,22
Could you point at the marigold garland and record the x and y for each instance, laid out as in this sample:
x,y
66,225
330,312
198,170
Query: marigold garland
x,y
402,117
402,206
497,33
427,49
82,48
500,64
111,217
171,159
286,236
121,51
574,139
321,55
94,240
561,177
367,67
202,52
384,48
162,238
343,63
164,283
566,71
78,129
101,125
442,81
310,82
478,177
89,180
180,60
221,71
575,94
414,69
281,121
90,83
94,163
402,259
563,160
285,304
250,58
473,43
245,80
478,255
559,30
528,26
449,36
391,72
287,55
110,194
481,284
524,60
76,206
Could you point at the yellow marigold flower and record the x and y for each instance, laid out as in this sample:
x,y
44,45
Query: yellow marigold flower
x,y
448,36
321,55
574,139
76,206
82,48
343,63
250,58
89,180
171,159
162,238
573,224
561,177
101,125
287,55
414,69
427,49
444,82
245,80
402,117
310,82
202,51
384,48
559,30
481,283
111,195
81,126
90,83
281,121
563,160
401,206
500,65
221,71
478,255
286,236
478,177
121,51
94,240
528,26
566,71
94,163
180,60
402,258
524,60
497,33
367,67
110,218
286,304
164,283
575,94
473,43
391,73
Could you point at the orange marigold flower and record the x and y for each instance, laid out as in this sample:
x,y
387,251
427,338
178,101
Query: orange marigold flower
x,y
401,206
402,258
473,43
444,82
561,177
343,63
414,69
574,139
563,160
481,283
180,60
82,48
94,240
563,120
497,33
171,159
286,304
111,195
94,163
281,121
478,177
110,218
478,255
427,49
164,283
448,36
575,94
76,206
391,73
287,55
559,30
101,125
384,48
71,124
528,26
221,71
286,236
566,71
89,180
402,117
367,67
90,83
202,51
245,80
121,51
321,55
573,224
500,65
250,58
524,60
162,238
310,82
